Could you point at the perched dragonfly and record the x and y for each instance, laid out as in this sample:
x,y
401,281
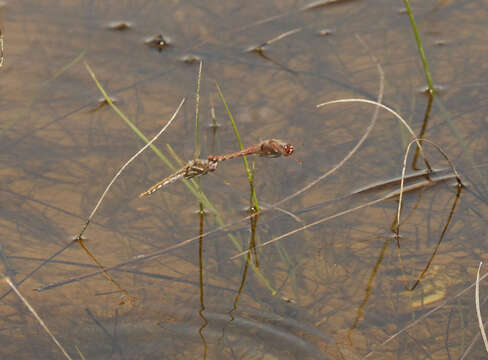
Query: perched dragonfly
x,y
192,168
270,147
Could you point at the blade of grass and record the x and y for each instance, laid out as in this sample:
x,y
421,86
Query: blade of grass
x,y
196,154
420,48
241,146
175,156
1,46
197,149
80,353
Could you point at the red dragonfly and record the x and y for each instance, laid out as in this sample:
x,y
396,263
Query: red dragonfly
x,y
270,147
192,168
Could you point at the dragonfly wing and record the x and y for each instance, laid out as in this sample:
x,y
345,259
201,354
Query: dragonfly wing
x,y
271,155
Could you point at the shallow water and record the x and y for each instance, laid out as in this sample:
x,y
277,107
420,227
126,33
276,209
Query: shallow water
x,y
334,290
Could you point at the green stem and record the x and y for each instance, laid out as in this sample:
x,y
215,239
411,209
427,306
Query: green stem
x,y
250,177
421,49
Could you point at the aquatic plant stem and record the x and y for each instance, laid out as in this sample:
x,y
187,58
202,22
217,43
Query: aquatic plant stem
x,y
420,48
254,198
197,149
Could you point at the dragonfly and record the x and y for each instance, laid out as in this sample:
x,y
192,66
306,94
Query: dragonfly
x,y
270,147
192,168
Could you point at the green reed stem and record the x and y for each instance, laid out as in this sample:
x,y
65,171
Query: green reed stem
x,y
197,110
254,203
420,47
197,149
437,100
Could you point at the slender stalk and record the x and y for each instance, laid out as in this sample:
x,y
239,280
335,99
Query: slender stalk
x,y
421,49
197,149
1,48
197,108
38,318
478,311
254,203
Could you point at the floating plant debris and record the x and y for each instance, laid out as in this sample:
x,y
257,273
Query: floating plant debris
x,y
259,49
320,3
158,42
437,88
102,102
214,125
191,59
325,32
120,25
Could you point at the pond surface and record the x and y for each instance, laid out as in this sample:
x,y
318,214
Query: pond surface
x,y
328,278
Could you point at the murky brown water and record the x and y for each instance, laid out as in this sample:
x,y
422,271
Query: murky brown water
x,y
334,290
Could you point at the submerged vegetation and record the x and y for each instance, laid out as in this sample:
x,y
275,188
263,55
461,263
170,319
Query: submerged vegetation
x,y
388,273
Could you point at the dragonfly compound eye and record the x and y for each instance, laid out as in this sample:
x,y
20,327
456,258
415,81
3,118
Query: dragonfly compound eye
x,y
289,149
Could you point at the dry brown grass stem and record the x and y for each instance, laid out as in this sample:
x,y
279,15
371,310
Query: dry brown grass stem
x,y
38,318
404,168
1,49
478,311
282,36
260,48
318,4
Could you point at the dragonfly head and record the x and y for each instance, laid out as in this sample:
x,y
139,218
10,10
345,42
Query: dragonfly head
x,y
288,149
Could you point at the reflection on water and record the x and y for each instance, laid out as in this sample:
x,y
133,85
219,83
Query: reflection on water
x,y
335,290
